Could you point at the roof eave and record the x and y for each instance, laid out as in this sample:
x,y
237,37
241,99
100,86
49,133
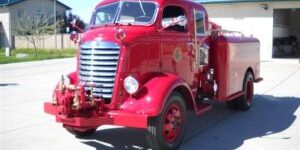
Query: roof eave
x,y
60,3
64,5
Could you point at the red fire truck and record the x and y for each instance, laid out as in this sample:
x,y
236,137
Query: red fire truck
x,y
145,63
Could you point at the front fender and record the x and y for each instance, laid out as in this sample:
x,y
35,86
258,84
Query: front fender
x,y
73,77
152,96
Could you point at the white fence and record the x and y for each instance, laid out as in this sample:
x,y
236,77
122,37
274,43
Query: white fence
x,y
46,42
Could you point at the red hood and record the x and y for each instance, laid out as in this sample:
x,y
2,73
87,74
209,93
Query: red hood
x,y
108,33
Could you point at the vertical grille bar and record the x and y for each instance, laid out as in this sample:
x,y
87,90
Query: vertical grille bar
x,y
98,65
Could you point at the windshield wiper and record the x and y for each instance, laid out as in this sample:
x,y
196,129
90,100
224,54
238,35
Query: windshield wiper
x,y
118,12
141,5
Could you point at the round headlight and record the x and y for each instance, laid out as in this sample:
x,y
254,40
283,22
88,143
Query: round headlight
x,y
131,85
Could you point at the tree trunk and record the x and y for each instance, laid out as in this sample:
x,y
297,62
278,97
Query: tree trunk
x,y
35,49
34,46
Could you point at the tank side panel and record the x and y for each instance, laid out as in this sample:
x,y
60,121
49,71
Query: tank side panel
x,y
232,56
220,65
241,57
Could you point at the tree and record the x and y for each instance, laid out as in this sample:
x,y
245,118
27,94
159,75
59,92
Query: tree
x,y
33,27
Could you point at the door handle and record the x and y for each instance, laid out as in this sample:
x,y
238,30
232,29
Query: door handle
x,y
191,49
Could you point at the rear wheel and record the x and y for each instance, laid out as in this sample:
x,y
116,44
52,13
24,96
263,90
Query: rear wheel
x,y
166,131
232,104
245,101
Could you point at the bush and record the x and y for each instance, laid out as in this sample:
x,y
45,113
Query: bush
x,y
43,54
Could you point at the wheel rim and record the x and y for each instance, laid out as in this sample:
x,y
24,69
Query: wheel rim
x,y
172,123
249,94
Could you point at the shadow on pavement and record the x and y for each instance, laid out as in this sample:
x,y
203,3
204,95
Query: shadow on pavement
x,y
8,84
219,128
229,130
118,139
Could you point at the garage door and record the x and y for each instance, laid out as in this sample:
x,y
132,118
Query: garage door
x,y
286,33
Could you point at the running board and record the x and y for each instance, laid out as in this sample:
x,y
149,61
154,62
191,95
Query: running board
x,y
202,108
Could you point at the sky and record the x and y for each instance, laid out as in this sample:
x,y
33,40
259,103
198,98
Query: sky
x,y
82,8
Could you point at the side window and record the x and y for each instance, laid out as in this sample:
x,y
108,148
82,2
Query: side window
x,y
171,13
200,22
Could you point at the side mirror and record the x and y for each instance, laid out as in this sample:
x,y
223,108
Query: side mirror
x,y
74,25
74,37
180,20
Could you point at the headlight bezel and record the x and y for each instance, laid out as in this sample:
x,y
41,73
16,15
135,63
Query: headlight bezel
x,y
131,85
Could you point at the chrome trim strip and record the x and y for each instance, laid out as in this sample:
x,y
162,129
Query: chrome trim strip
x,y
99,52
103,79
98,63
95,58
104,85
98,68
96,74
99,45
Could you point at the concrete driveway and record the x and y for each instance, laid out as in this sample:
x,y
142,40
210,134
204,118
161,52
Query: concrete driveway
x,y
272,124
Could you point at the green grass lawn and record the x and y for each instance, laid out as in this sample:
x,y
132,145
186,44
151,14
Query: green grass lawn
x,y
43,54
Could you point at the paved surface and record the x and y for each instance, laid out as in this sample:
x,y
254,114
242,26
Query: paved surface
x,y
272,124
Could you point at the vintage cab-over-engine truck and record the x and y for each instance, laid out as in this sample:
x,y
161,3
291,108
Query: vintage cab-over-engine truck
x,y
145,63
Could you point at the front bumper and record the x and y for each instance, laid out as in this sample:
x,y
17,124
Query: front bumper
x,y
113,117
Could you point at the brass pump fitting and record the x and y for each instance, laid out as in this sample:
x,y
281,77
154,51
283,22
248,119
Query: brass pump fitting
x,y
75,104
92,97
54,99
61,86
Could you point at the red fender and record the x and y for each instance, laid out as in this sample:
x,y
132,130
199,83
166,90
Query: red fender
x,y
73,77
152,96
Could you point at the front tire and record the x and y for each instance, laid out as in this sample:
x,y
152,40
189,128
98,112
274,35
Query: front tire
x,y
82,133
167,130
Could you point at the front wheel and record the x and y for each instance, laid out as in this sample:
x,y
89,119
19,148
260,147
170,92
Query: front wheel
x,y
81,133
167,130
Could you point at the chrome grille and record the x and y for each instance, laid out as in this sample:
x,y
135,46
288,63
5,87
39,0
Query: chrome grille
x,y
98,65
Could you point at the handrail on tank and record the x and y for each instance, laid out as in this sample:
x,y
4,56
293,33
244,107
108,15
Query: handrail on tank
x,y
222,31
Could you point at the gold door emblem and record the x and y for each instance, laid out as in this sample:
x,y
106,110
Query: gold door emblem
x,y
177,54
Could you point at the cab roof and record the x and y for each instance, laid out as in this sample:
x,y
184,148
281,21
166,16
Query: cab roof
x,y
160,2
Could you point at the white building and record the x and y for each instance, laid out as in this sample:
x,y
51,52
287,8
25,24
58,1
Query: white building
x,y
13,9
268,20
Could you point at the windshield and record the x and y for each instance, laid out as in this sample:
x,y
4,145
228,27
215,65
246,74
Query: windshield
x,y
104,14
129,12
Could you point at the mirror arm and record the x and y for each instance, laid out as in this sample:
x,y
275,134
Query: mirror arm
x,y
78,28
77,42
